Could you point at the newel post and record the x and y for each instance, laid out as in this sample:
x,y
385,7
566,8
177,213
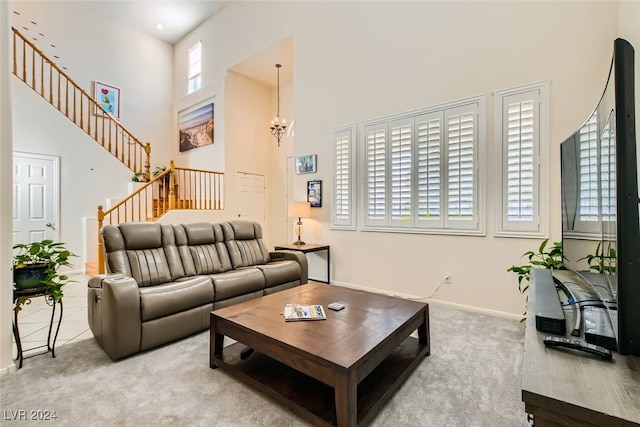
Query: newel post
x,y
172,184
147,162
101,264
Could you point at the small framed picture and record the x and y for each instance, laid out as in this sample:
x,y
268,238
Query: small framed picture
x,y
108,97
306,164
314,193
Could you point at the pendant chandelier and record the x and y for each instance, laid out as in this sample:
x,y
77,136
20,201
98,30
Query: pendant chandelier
x,y
278,124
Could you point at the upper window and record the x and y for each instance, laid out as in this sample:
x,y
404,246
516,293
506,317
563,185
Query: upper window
x,y
422,169
521,136
195,68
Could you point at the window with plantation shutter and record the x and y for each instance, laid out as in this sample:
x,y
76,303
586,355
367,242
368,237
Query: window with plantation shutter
x,y
521,134
401,172
461,161
588,171
422,171
343,141
596,177
429,168
376,174
608,171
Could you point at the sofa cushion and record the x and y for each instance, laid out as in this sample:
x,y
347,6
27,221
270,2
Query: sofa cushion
x,y
141,235
207,248
170,298
279,272
149,267
174,259
244,243
237,282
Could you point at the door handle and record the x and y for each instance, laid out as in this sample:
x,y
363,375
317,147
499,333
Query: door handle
x,y
50,225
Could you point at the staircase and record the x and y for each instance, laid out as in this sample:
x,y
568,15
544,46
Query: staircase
x,y
173,188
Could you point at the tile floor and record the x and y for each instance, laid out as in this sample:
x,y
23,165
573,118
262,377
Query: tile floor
x,y
34,318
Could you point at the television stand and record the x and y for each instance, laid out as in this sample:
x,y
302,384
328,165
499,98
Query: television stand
x,y
567,388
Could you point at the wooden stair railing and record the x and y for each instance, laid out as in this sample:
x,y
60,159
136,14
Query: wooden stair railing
x,y
38,72
175,188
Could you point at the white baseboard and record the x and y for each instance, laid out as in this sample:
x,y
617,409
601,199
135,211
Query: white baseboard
x,y
8,370
434,301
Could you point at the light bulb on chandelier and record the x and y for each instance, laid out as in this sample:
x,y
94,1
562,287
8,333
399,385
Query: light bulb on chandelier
x,y
278,124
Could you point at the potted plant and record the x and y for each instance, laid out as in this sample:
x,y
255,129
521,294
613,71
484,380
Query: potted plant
x,y
603,263
35,265
550,258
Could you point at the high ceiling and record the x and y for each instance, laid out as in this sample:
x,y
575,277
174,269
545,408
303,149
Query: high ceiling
x,y
177,17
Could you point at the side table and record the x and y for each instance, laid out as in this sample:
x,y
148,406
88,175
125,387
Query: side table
x,y
23,297
311,248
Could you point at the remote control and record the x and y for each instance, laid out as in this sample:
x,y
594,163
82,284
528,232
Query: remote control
x,y
577,345
336,306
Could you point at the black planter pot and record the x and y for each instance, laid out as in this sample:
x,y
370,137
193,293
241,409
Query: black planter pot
x,y
30,276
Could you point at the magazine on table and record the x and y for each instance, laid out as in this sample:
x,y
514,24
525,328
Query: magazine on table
x,y
293,312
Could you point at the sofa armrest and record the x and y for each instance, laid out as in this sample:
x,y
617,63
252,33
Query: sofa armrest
x,y
114,314
96,281
297,256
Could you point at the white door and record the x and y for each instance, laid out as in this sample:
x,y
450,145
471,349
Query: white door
x,y
35,197
250,197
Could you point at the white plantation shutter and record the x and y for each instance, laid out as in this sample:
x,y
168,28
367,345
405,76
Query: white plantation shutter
x,y
608,171
429,169
520,125
343,141
520,160
422,170
376,174
588,171
401,163
461,125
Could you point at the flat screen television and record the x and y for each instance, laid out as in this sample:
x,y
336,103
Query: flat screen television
x,y
600,211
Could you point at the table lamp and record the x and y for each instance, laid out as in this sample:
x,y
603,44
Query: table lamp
x,y
299,210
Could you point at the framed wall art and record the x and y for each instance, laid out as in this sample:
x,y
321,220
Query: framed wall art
x,y
306,164
314,193
108,97
195,127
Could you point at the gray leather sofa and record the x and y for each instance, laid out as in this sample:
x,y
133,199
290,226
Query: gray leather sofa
x,y
162,281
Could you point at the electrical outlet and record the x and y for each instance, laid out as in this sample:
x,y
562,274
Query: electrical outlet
x,y
447,277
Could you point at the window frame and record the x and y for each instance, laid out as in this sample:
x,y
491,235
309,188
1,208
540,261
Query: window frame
x,y
442,225
194,79
538,226
350,222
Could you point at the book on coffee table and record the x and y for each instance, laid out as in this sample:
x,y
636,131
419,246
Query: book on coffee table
x,y
293,312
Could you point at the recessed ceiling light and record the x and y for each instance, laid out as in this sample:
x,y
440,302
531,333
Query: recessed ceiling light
x,y
159,26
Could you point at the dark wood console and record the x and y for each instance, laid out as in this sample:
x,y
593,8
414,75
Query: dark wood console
x,y
562,387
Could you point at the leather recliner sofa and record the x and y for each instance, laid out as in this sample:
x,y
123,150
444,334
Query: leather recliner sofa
x,y
162,281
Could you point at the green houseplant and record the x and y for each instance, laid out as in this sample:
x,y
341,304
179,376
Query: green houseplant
x,y
550,258
603,263
36,264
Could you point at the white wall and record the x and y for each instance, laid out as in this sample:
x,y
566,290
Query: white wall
x,y
355,61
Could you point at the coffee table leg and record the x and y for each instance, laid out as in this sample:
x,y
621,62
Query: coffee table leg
x,y
216,341
346,391
423,331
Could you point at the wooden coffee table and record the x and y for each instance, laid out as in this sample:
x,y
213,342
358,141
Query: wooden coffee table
x,y
338,371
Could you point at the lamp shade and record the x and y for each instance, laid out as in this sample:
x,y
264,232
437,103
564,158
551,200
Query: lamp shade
x,y
299,210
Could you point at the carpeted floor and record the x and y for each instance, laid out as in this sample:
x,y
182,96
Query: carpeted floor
x,y
472,378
